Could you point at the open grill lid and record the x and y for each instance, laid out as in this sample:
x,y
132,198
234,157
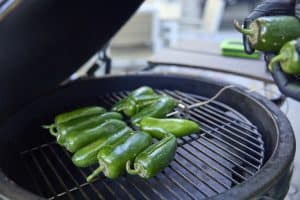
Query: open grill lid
x,y
43,42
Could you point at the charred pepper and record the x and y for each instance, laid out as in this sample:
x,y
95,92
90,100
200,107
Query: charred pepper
x,y
87,155
154,159
160,128
271,33
158,109
78,113
289,58
79,138
112,158
82,123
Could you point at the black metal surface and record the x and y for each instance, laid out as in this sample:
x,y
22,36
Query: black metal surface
x,y
237,155
44,42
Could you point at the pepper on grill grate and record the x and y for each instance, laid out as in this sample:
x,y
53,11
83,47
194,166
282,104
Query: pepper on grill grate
x,y
79,138
136,100
87,155
271,33
78,113
289,58
82,123
160,128
154,159
159,109
112,158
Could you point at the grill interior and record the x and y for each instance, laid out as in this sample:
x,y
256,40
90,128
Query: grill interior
x,y
228,150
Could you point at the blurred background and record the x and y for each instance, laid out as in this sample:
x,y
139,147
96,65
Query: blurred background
x,y
179,36
160,24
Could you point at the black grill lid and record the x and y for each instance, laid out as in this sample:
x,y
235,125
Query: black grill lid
x,y
43,42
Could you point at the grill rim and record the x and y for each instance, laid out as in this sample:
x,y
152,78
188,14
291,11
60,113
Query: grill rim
x,y
257,185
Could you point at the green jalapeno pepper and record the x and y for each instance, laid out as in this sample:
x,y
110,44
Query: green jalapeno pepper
x,y
272,32
79,138
80,112
160,128
154,159
120,105
144,90
289,58
87,155
130,108
85,122
136,100
112,158
158,109
134,105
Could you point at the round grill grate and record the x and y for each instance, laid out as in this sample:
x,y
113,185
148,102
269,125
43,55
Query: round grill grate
x,y
228,150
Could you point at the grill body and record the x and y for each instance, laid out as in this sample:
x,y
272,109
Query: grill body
x,y
245,149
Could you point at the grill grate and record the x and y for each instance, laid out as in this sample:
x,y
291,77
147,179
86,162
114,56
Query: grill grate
x,y
227,151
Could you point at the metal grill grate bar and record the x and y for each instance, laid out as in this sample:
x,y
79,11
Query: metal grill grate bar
x,y
68,172
84,176
203,171
210,165
219,107
187,179
175,195
174,181
69,191
46,180
158,193
106,185
209,127
28,169
140,191
56,174
199,177
126,191
211,130
194,113
214,130
243,124
248,171
204,117
221,117
226,152
224,157
237,174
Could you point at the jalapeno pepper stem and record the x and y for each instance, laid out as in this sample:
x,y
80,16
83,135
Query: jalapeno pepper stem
x,y
239,28
131,171
95,173
51,128
276,59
